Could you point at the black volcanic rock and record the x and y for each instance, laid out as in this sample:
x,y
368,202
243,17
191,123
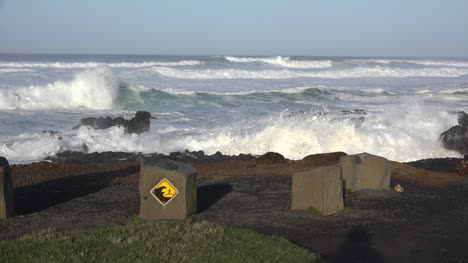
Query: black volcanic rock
x,y
138,124
448,165
456,138
462,118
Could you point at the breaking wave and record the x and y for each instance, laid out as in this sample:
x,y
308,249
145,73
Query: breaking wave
x,y
285,62
92,89
396,135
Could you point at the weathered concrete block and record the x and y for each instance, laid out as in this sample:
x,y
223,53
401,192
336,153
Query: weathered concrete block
x,y
365,171
321,188
168,189
6,190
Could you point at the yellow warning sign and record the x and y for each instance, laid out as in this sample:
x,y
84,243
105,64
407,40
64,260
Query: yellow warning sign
x,y
164,191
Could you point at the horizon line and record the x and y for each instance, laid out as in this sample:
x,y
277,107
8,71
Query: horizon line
x,y
237,55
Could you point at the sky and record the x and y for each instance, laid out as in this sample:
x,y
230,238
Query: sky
x,y
430,28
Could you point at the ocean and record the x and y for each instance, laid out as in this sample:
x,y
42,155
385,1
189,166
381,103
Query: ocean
x,y
392,107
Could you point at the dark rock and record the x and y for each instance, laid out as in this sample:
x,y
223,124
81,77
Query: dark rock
x,y
462,168
462,118
138,124
84,148
119,121
105,157
104,123
437,164
456,138
271,158
94,158
50,132
355,111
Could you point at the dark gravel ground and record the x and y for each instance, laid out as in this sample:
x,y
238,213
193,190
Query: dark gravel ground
x,y
419,225
422,224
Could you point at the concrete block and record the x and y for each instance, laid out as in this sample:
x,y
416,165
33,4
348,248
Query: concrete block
x,y
6,190
321,188
168,189
365,171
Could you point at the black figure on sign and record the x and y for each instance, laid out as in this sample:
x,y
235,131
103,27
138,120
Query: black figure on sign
x,y
162,194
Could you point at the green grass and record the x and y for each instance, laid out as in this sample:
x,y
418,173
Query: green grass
x,y
314,211
154,242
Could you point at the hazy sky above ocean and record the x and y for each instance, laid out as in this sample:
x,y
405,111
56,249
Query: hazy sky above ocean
x,y
241,27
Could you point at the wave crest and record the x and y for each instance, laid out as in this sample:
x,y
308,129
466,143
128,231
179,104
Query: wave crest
x,y
285,62
92,89
99,64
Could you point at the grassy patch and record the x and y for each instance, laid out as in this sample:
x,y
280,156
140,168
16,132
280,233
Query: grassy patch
x,y
313,211
154,242
139,220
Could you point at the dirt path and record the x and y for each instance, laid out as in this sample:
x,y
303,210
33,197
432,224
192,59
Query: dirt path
x,y
422,224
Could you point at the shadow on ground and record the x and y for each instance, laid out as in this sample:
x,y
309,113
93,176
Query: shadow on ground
x,y
208,195
357,247
34,198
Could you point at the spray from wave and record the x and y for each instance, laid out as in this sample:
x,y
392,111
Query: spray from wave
x,y
401,136
398,134
91,89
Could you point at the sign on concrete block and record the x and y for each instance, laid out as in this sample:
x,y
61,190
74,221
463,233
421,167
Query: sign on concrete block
x,y
164,191
365,171
320,188
6,190
168,189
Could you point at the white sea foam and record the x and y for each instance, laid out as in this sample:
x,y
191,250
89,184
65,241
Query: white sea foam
x,y
454,90
400,133
285,62
360,72
406,136
99,64
14,70
30,147
91,89
441,63
50,65
425,91
156,63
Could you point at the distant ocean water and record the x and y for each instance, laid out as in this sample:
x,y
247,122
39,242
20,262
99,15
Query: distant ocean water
x,y
393,107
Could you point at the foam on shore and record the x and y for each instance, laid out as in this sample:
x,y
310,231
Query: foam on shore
x,y
397,135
